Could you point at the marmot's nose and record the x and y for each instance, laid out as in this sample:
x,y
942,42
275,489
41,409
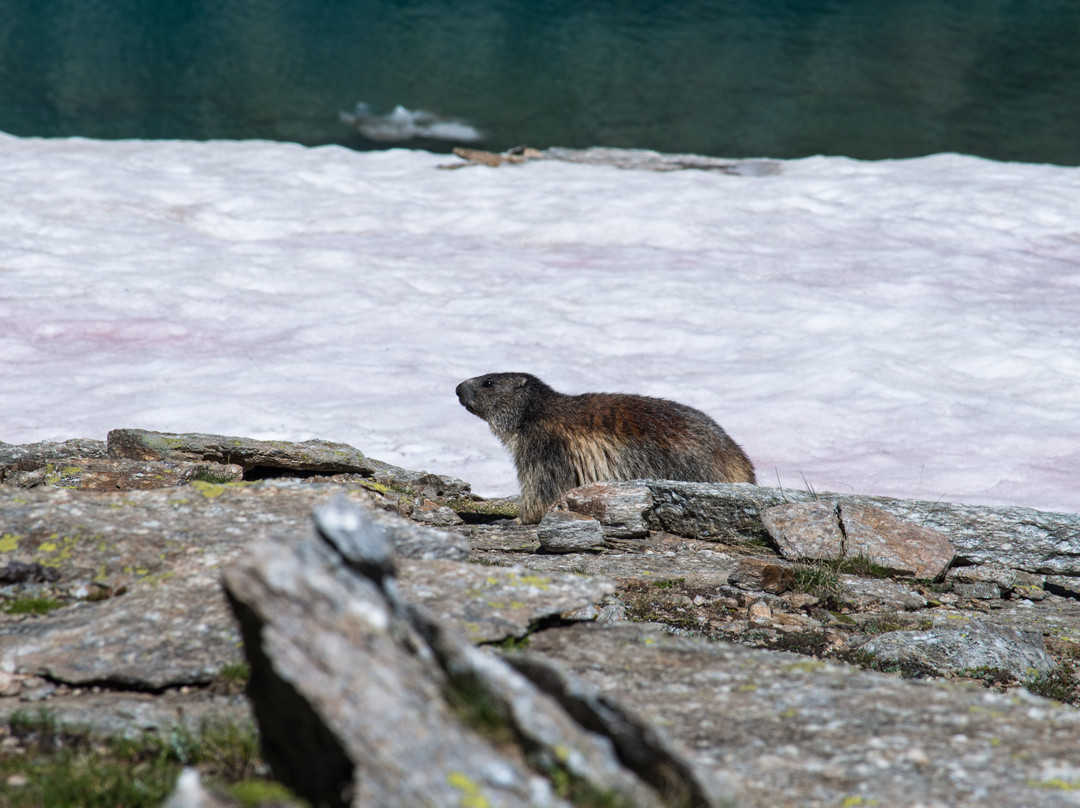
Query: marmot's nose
x,y
461,389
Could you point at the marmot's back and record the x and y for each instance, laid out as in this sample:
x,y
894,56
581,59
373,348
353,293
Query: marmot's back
x,y
560,442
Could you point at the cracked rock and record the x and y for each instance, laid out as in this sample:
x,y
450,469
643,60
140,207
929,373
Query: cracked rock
x,y
809,531
364,699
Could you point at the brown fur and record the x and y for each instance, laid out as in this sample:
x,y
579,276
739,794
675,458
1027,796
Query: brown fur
x,y
560,442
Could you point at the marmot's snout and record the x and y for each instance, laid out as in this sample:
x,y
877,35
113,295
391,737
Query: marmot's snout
x,y
466,393
462,391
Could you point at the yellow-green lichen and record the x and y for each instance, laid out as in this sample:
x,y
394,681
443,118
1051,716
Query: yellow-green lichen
x,y
379,488
208,490
58,549
1056,784
9,542
499,508
539,581
808,666
471,795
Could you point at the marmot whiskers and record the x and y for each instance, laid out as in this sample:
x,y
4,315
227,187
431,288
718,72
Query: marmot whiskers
x,y
560,442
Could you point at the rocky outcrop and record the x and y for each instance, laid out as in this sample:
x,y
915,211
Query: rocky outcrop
x,y
670,644
1033,541
795,731
266,459
363,699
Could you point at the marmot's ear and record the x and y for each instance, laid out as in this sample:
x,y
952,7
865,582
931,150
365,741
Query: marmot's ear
x,y
521,381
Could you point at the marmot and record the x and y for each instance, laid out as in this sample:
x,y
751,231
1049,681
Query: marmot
x,y
560,442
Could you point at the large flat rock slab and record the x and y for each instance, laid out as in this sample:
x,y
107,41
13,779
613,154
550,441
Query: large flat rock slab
x,y
133,537
130,715
794,731
136,577
263,458
172,635
489,604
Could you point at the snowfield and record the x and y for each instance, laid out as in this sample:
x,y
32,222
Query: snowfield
x,y
908,328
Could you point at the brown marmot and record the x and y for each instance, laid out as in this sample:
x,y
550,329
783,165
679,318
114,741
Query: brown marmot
x,y
560,442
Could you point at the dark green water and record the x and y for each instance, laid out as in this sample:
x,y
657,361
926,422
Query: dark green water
x,y
779,78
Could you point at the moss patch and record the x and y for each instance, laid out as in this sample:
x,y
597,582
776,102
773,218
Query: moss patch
x,y
31,605
483,510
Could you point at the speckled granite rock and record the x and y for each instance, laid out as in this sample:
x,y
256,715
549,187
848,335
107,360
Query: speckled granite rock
x,y
1034,541
360,696
794,731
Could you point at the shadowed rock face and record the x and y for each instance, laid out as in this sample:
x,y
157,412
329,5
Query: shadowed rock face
x,y
396,708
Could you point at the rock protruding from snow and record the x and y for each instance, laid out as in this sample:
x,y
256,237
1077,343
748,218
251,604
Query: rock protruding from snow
x,y
262,458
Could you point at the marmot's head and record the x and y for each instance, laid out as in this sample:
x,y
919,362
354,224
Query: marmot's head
x,y
504,400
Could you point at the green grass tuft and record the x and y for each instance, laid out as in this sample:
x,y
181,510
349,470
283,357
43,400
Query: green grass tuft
x,y
819,580
1060,684
31,605
63,767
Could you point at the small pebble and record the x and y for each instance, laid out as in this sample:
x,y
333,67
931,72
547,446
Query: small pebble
x,y
759,610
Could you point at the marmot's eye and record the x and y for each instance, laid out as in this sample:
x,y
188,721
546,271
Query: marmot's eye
x,y
488,383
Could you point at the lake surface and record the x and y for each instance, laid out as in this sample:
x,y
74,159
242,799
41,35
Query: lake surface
x,y
736,78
